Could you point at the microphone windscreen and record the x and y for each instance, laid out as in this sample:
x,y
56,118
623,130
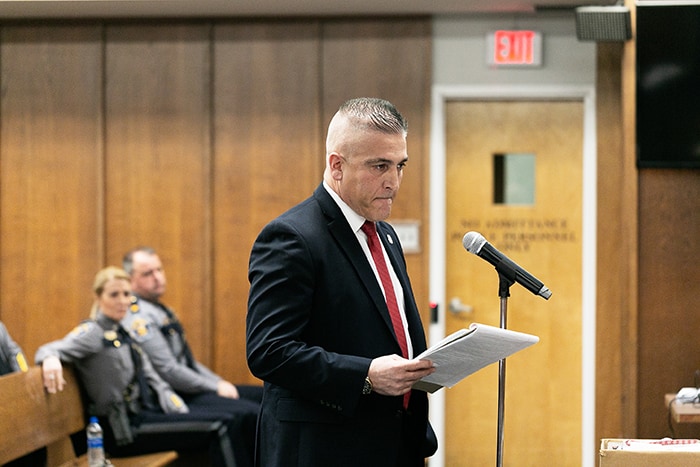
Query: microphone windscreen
x,y
473,242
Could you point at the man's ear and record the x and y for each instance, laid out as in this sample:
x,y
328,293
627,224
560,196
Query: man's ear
x,y
335,163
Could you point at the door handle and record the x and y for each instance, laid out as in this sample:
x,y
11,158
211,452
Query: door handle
x,y
456,306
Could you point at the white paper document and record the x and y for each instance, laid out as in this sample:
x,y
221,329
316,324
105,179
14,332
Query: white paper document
x,y
468,350
664,444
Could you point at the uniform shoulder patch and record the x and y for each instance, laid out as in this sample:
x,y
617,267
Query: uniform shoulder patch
x,y
141,329
81,329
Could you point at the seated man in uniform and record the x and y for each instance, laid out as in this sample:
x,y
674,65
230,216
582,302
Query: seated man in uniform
x,y
159,332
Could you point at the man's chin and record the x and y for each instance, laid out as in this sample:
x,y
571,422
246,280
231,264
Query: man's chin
x,y
152,297
380,213
383,215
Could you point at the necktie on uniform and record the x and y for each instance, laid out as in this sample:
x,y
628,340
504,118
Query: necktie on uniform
x,y
145,393
175,326
375,248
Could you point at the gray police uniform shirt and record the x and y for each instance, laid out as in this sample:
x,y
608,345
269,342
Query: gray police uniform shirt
x,y
11,356
106,368
167,352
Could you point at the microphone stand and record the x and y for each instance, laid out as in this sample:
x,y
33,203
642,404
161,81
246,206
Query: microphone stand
x,y
506,278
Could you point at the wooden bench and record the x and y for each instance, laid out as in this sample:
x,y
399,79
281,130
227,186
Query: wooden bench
x,y
31,419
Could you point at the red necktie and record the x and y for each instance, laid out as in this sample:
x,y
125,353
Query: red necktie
x,y
370,229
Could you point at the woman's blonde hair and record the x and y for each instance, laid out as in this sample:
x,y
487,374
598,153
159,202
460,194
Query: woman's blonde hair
x,y
101,278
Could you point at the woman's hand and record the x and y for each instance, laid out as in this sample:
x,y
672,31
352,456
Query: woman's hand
x,y
52,372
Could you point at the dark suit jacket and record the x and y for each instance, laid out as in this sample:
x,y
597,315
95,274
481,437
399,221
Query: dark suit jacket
x,y
316,318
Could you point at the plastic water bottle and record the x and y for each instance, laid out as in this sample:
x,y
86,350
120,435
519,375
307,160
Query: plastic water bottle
x,y
95,447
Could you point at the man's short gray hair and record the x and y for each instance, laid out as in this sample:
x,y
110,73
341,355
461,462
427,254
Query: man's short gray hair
x,y
128,259
375,114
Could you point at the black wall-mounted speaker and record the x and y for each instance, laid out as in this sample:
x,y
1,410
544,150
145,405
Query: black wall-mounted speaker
x,y
603,23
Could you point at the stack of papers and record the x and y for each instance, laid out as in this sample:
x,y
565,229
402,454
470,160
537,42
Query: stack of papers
x,y
468,350
665,444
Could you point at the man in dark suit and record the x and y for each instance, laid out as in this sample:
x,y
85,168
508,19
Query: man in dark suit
x,y
337,367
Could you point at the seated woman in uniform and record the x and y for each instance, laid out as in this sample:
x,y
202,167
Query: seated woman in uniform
x,y
124,392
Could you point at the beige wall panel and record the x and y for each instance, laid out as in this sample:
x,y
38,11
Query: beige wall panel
x,y
390,59
268,156
158,151
49,187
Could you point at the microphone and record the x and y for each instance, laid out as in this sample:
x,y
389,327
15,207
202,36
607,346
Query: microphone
x,y
475,243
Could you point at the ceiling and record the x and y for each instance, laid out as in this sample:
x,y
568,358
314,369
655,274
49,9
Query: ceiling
x,y
12,9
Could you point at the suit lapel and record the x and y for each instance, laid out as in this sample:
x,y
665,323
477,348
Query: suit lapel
x,y
347,242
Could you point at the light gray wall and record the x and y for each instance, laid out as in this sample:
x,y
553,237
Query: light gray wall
x,y
459,51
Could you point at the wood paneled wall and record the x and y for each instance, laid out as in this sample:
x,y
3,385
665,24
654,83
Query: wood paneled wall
x,y
189,137
669,245
51,185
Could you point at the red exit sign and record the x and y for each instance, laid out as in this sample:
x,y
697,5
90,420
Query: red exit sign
x,y
520,48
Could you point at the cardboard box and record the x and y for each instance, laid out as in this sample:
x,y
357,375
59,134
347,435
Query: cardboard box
x,y
612,457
